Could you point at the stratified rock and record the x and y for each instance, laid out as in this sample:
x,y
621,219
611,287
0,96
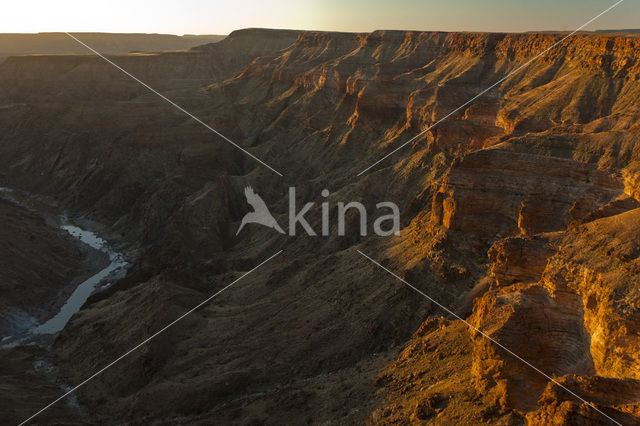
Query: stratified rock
x,y
495,193
520,259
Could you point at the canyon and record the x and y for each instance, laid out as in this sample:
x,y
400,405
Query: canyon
x,y
520,214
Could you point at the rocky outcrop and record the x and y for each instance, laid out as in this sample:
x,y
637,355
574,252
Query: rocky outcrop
x,y
496,193
546,330
520,259
618,399
567,304
598,262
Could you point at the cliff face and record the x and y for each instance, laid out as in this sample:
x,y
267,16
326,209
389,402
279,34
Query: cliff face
x,y
497,192
517,211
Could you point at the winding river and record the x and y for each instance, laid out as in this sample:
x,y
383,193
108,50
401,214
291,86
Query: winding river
x,y
117,265
84,290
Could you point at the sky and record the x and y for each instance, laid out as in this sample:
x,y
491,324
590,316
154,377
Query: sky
x,y
222,17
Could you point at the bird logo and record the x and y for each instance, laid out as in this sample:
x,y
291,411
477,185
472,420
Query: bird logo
x,y
260,213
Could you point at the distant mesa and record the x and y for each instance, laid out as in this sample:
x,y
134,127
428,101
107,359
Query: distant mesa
x,y
110,43
627,31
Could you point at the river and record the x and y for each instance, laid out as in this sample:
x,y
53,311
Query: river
x,y
117,265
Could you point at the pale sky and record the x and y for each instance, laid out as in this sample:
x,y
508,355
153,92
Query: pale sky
x,y
222,17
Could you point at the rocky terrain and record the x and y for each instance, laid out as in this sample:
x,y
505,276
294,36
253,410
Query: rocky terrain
x,y
520,213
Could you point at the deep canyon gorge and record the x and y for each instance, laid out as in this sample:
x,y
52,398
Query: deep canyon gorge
x,y
520,213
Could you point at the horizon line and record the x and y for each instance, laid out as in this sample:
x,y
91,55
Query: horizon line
x,y
605,30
